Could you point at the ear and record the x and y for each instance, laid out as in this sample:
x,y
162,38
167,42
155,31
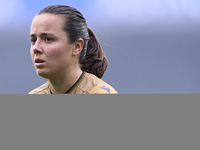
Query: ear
x,y
78,46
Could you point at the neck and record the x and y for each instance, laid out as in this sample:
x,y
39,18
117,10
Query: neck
x,y
63,83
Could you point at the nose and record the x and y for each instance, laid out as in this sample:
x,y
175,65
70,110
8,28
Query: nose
x,y
36,47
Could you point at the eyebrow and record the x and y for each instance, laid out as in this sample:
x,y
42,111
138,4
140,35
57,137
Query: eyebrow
x,y
42,34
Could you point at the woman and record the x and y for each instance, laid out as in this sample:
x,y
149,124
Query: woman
x,y
67,53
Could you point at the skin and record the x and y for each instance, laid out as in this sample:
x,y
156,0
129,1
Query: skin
x,y
54,58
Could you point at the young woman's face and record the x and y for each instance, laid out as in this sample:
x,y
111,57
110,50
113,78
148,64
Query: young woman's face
x,y
50,50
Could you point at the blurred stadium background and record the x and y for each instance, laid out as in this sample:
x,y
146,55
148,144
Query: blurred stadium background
x,y
153,46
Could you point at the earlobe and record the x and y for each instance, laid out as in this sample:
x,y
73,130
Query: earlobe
x,y
78,47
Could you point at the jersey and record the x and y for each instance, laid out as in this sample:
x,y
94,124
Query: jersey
x,y
86,84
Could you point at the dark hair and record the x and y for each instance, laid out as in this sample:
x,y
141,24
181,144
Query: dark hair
x,y
92,58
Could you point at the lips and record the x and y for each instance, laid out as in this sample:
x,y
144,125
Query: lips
x,y
39,62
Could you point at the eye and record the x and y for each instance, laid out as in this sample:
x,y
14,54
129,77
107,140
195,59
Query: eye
x,y
33,40
48,39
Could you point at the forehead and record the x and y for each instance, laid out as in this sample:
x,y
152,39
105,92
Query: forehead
x,y
47,22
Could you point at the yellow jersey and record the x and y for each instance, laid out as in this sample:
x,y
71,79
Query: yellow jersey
x,y
86,84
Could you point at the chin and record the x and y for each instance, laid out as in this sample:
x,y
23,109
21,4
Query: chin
x,y
46,74
43,73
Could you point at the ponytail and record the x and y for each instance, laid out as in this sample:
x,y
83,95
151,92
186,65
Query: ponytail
x,y
95,61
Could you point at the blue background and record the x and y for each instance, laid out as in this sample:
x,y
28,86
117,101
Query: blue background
x,y
152,45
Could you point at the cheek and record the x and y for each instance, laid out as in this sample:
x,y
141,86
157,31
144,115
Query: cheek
x,y
54,54
58,52
31,53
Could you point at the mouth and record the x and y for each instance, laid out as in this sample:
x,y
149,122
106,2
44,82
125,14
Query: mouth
x,y
39,62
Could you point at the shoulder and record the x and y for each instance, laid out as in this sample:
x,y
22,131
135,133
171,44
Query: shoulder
x,y
94,85
43,89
